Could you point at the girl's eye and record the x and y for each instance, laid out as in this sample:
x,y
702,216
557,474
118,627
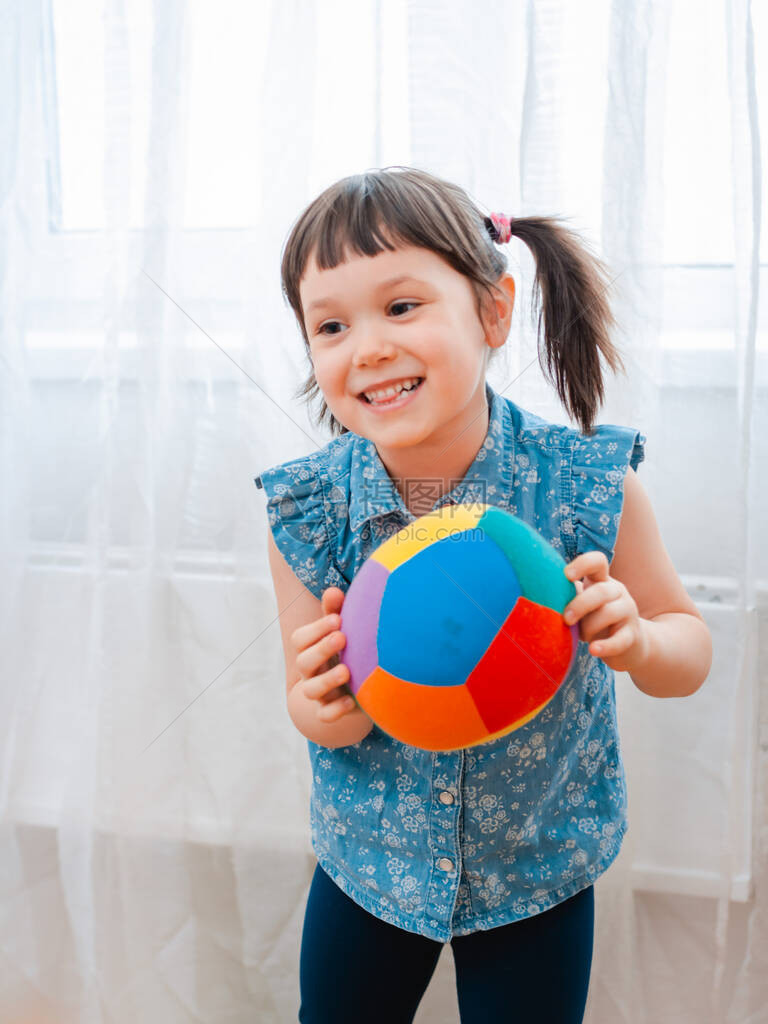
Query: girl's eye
x,y
394,304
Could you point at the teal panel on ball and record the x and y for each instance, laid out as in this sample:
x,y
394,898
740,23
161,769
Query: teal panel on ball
x,y
538,565
442,608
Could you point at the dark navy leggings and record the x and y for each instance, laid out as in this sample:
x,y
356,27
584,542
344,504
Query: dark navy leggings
x,y
355,967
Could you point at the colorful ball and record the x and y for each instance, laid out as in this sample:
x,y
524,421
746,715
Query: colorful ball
x,y
454,628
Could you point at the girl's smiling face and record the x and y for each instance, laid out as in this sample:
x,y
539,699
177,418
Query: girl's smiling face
x,y
398,315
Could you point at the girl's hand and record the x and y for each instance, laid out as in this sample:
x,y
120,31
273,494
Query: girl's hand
x,y
607,614
322,677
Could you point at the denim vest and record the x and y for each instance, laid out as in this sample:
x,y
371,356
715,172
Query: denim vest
x,y
444,844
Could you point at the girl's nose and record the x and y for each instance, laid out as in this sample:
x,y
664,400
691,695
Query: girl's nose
x,y
371,348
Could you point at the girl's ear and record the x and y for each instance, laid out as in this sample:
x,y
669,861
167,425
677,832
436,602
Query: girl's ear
x,y
499,313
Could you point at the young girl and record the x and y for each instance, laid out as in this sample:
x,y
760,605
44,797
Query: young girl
x,y
401,296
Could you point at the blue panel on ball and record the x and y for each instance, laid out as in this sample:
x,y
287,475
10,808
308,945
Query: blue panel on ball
x,y
443,607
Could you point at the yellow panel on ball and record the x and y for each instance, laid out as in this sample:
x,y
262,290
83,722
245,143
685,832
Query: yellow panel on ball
x,y
434,526
430,717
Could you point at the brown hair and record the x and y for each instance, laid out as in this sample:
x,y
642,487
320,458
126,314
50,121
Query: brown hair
x,y
368,212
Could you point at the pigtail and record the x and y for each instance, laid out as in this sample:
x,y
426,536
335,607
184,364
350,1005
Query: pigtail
x,y
577,316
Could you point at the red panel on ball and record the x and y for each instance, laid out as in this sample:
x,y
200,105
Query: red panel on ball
x,y
430,717
524,665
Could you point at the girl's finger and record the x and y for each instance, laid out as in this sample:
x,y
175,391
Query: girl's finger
x,y
613,645
311,661
334,694
323,684
592,564
594,598
336,709
304,636
332,600
594,625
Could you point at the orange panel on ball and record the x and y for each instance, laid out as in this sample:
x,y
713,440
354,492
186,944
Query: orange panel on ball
x,y
430,717
523,667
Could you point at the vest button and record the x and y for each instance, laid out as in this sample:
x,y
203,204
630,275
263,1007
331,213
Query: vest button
x,y
446,797
445,864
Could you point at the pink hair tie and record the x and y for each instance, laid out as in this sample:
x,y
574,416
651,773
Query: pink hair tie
x,y
500,227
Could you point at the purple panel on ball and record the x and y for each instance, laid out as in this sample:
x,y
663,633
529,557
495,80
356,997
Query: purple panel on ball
x,y
360,621
574,645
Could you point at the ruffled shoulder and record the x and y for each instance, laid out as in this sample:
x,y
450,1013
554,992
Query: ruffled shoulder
x,y
297,515
598,467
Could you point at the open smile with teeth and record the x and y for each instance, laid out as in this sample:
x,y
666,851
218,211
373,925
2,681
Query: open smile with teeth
x,y
392,393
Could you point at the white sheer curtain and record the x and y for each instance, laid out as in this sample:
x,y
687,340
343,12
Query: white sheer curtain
x,y
154,834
